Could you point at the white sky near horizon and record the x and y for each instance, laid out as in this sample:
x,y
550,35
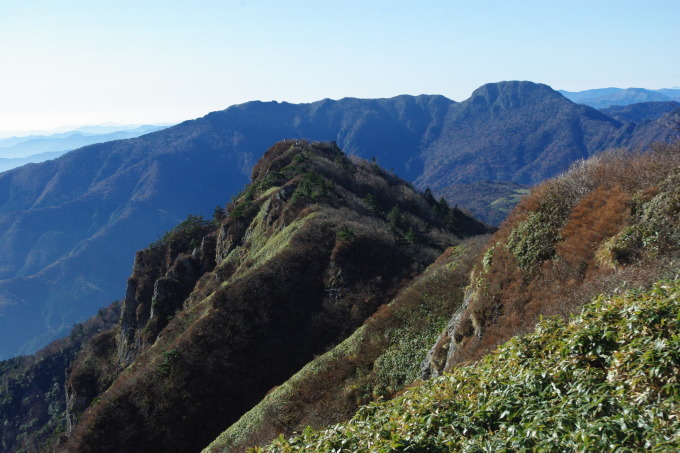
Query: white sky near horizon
x,y
75,62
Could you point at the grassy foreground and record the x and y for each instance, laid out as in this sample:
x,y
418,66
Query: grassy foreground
x,y
605,380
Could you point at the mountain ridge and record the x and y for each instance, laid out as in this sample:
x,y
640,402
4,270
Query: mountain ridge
x,y
131,191
604,231
18,151
308,251
608,97
515,139
644,111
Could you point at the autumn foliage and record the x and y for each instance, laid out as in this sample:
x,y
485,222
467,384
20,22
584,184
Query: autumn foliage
x,y
609,222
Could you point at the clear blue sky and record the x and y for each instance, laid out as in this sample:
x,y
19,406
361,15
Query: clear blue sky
x,y
91,61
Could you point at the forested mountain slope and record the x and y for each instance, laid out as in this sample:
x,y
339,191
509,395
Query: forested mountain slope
x,y
33,388
69,227
521,132
643,111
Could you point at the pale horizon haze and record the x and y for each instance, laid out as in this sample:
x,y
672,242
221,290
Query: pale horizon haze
x,y
141,62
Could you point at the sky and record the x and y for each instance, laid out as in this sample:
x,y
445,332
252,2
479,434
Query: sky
x,y
72,62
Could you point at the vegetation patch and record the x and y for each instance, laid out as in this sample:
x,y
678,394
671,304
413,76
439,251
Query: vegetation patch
x,y
608,222
312,187
533,240
606,380
188,232
277,242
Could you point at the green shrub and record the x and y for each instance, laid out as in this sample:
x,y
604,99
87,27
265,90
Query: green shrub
x,y
239,211
374,205
170,358
606,380
346,234
190,229
533,240
313,187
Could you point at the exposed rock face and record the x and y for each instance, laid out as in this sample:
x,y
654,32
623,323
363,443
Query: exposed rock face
x,y
438,357
225,243
128,344
136,309
161,280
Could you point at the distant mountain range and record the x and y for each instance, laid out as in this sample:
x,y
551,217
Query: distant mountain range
x,y
606,97
70,226
17,151
644,111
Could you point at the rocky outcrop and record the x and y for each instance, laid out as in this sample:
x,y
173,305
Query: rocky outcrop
x,y
438,357
305,256
162,278
136,306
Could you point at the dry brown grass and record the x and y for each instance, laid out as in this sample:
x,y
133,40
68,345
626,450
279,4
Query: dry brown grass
x,y
579,210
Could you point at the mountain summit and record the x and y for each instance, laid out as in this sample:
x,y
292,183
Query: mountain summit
x,y
516,131
221,313
511,95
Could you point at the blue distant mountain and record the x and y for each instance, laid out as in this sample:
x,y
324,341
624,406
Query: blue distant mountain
x,y
17,151
8,163
606,97
641,112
